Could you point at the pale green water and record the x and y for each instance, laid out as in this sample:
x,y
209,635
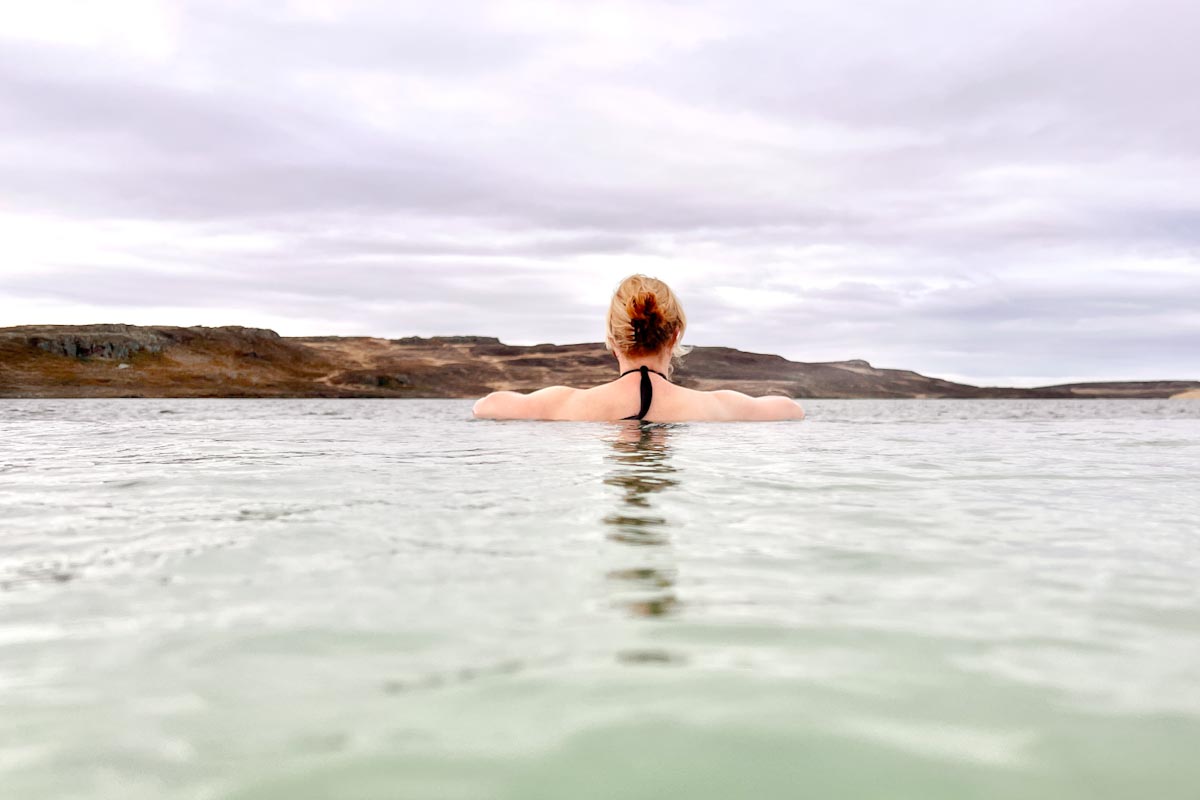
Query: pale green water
x,y
385,599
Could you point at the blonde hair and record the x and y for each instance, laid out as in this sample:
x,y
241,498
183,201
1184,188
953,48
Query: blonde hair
x,y
643,318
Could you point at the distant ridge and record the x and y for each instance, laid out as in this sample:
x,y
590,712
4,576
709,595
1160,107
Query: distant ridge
x,y
232,361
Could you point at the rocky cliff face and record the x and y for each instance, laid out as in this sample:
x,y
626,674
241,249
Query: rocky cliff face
x,y
97,344
134,361
123,341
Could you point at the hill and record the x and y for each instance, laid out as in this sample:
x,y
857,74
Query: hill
x,y
161,361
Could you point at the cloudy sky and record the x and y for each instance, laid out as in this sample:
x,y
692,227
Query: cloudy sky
x,y
999,192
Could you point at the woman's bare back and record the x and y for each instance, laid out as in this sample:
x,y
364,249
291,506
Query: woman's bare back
x,y
620,399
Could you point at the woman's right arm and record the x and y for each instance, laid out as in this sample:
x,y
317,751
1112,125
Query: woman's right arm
x,y
740,406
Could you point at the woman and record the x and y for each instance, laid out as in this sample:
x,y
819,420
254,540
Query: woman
x,y
645,325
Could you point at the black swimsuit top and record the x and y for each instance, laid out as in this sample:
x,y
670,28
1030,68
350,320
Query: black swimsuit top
x,y
647,389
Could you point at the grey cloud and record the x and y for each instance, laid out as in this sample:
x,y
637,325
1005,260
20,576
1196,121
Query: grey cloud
x,y
985,190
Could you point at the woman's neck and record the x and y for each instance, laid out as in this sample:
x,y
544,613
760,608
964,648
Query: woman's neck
x,y
659,362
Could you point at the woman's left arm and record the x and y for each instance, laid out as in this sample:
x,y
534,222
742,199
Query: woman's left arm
x,y
542,404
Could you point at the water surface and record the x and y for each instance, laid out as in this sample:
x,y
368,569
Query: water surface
x,y
387,599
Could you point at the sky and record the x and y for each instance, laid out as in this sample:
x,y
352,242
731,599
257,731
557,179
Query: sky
x,y
995,192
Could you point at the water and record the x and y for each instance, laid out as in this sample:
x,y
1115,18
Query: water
x,y
386,599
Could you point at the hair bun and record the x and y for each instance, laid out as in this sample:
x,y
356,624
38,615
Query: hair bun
x,y
649,328
643,306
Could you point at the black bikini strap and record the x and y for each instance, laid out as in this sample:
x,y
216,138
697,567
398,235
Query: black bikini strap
x,y
647,389
643,369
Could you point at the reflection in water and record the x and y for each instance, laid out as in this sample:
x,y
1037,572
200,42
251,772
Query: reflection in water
x,y
642,467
